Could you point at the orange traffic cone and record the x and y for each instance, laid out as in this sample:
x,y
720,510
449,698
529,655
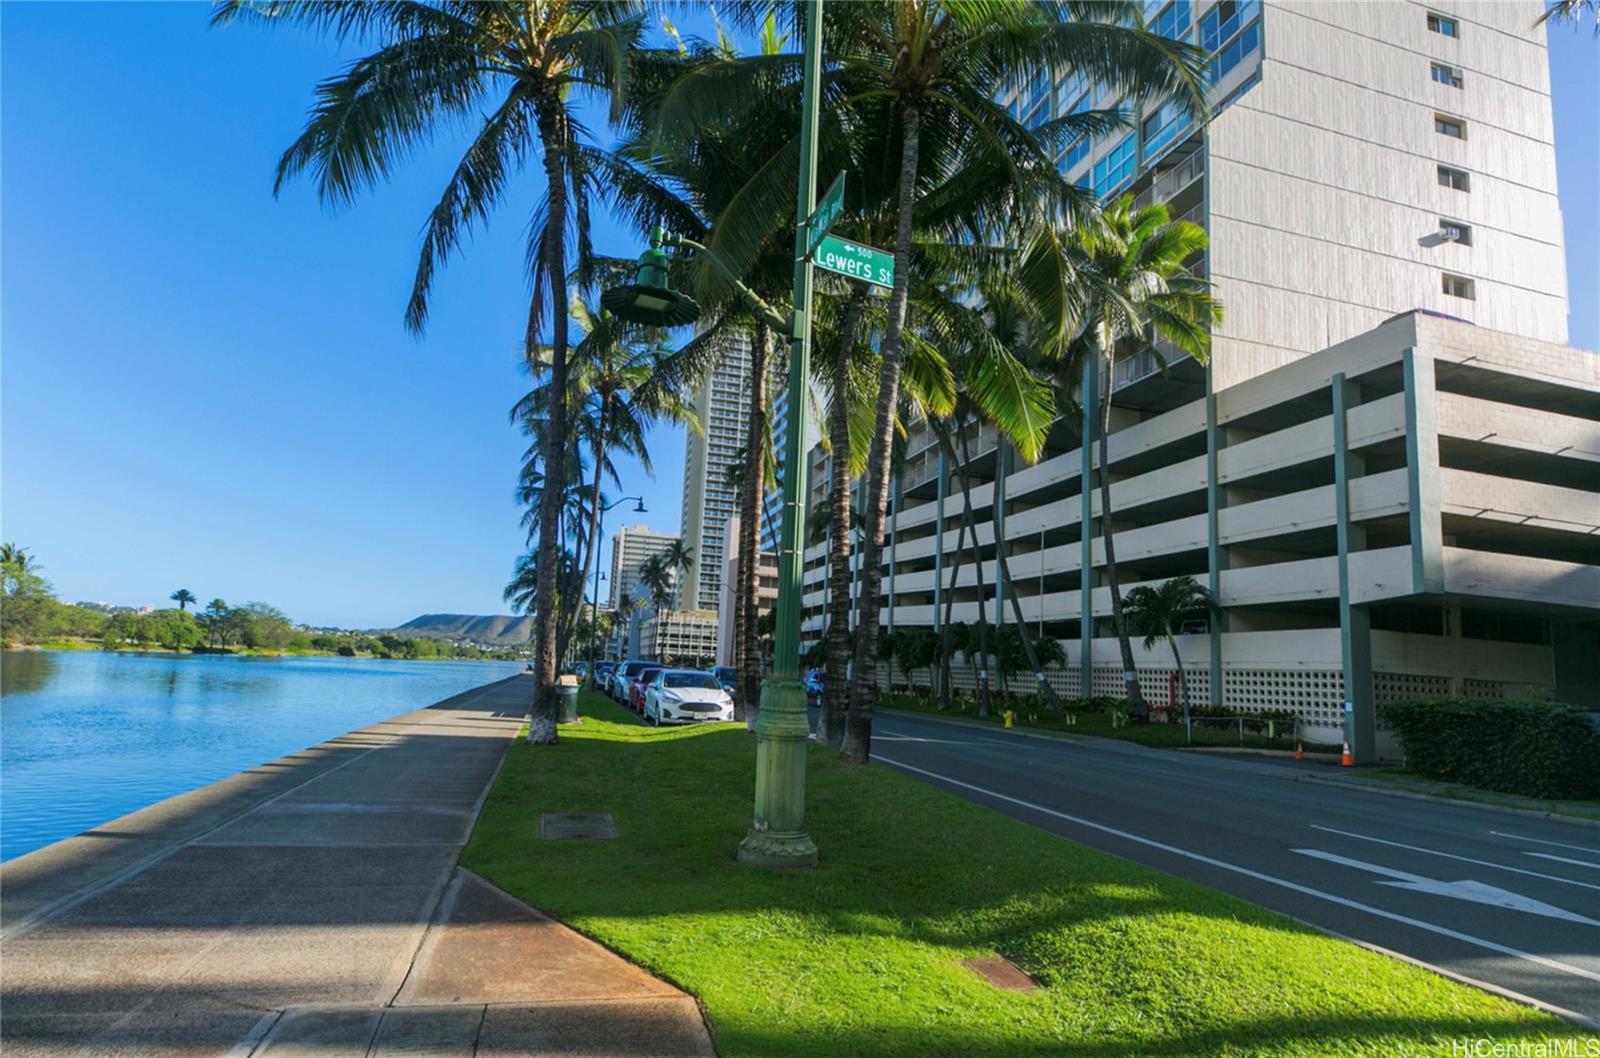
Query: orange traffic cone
x,y
1299,753
1347,760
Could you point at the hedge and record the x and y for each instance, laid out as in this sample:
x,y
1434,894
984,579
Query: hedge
x,y
1536,749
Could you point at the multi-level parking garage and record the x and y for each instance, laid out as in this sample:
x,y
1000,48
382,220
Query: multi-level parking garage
x,y
1415,510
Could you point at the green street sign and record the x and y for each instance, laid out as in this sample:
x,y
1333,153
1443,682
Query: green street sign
x,y
855,261
825,214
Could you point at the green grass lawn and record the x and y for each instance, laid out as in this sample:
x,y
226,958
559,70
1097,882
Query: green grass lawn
x,y
1207,732
862,956
1411,782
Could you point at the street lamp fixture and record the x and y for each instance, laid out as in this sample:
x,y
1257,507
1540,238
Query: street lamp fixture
x,y
650,299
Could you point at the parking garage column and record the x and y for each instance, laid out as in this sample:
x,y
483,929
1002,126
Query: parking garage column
x,y
1216,554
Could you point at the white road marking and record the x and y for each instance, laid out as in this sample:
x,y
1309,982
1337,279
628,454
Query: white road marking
x,y
1453,856
1540,841
1466,889
1306,890
1564,859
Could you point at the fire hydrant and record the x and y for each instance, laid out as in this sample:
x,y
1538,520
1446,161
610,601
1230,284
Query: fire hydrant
x,y
1010,716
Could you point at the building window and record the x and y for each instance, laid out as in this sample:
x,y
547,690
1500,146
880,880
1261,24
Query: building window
x,y
1161,126
1235,52
1075,154
1444,26
1116,168
1455,128
1454,179
1458,287
1455,231
1446,75
1173,21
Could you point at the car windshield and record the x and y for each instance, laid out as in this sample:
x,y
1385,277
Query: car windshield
x,y
722,673
647,675
691,679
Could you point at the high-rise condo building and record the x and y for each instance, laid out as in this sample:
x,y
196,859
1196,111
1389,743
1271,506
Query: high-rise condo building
x,y
1387,477
722,402
630,547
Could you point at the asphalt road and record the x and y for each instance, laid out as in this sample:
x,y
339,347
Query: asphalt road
x,y
1505,900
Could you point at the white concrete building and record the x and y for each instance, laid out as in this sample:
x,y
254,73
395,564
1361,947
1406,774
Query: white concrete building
x,y
684,638
766,591
631,546
1384,502
722,401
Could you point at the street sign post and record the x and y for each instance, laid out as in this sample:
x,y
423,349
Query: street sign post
x,y
855,261
825,214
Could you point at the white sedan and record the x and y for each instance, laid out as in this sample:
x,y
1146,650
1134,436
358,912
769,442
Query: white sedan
x,y
682,696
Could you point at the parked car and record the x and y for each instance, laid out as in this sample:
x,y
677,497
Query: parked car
x,y
602,675
728,677
622,678
636,688
683,696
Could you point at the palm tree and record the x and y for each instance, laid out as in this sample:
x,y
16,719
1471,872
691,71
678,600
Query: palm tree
x,y
655,576
16,566
512,71
938,63
617,392
183,597
1570,11
1158,613
1138,290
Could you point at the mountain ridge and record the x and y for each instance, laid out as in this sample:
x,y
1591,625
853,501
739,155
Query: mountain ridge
x,y
500,630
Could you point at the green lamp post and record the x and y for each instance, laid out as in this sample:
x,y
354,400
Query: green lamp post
x,y
777,837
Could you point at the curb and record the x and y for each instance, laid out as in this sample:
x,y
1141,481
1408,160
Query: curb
x,y
1533,813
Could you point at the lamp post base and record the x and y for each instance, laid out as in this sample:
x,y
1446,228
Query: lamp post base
x,y
778,836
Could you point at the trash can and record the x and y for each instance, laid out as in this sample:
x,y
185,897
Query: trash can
x,y
567,700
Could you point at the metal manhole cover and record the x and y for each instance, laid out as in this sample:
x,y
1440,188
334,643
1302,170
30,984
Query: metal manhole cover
x,y
555,825
1002,973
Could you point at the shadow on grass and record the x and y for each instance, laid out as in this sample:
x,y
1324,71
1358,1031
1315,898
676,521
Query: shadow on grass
x,y
861,956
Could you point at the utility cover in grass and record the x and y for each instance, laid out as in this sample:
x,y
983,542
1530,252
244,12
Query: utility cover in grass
x,y
554,825
1002,973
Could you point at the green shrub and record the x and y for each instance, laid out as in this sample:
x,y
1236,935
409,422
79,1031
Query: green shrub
x,y
1536,749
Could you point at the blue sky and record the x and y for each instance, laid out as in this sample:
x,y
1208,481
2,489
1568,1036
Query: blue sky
x,y
205,387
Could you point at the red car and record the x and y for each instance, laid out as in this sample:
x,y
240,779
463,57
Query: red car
x,y
637,687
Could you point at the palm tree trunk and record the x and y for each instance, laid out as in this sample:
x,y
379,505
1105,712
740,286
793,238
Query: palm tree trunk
x,y
542,718
1183,683
747,606
1130,675
985,702
945,675
835,683
858,725
590,559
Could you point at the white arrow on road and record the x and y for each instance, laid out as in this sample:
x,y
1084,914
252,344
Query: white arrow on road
x,y
1477,892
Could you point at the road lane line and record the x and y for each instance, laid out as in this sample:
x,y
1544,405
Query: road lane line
x,y
1564,859
1453,856
1540,841
1465,889
1306,890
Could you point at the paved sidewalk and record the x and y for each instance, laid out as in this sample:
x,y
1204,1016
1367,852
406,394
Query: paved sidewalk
x,y
313,907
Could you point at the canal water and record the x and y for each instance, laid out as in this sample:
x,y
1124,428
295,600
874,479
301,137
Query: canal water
x,y
88,736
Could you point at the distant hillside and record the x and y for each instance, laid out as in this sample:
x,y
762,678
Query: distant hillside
x,y
499,631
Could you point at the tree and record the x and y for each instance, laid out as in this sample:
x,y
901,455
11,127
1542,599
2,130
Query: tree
x,y
939,64
655,577
183,597
1159,612
512,72
26,602
1138,290
215,622
1571,11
